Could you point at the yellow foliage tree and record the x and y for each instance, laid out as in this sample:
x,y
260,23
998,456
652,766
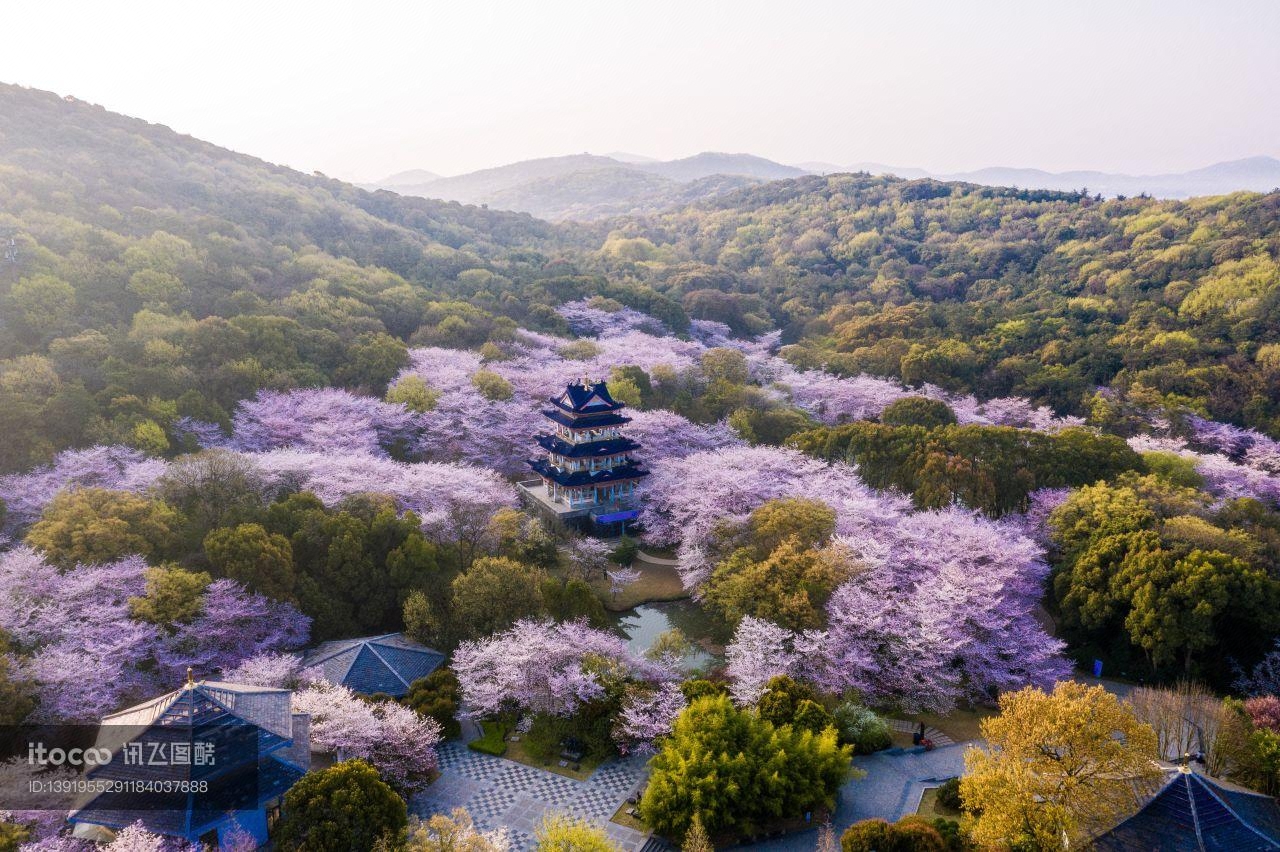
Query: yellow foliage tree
x,y
1058,767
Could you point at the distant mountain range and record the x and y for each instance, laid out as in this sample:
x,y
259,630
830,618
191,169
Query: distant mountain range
x,y
592,186
1257,174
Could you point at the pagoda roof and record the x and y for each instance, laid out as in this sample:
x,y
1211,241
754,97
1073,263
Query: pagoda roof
x,y
373,664
588,449
251,729
576,478
1198,814
586,397
585,421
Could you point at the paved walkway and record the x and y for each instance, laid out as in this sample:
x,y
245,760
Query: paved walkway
x,y
502,793
896,779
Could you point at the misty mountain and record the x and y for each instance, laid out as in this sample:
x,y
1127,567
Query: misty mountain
x,y
710,163
1256,174
409,178
590,186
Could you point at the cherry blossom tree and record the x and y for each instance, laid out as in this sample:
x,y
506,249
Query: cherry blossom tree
x,y
620,578
279,671
648,713
539,666
395,739
234,625
759,651
320,419
587,320
687,498
88,656
117,468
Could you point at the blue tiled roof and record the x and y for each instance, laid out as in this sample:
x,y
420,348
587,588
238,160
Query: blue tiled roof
x,y
1195,814
583,398
585,421
373,664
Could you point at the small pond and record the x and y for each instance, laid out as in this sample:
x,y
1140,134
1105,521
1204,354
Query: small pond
x,y
644,624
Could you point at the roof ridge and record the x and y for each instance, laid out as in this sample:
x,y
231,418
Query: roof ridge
x,y
388,666
1195,812
1211,789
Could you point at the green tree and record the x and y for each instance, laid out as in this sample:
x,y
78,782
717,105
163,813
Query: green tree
x,y
43,304
437,696
1179,607
918,411
173,596
788,587
569,600
259,560
412,392
211,489
492,386
345,808
494,592
92,525
16,693
372,361
737,772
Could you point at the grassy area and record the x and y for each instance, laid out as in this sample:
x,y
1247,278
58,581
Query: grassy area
x,y
520,754
623,818
930,808
493,741
656,583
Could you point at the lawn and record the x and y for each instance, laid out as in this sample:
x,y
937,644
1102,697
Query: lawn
x,y
516,751
622,818
656,583
930,808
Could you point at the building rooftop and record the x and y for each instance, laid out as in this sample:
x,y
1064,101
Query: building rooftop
x,y
586,397
243,743
1192,813
387,664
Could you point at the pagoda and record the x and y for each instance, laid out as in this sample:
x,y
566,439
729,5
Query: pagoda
x,y
589,471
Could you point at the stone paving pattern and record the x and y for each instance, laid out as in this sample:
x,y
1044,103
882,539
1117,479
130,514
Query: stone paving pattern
x,y
501,793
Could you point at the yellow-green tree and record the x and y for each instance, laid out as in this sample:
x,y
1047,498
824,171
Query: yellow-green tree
x,y
562,833
99,525
1057,767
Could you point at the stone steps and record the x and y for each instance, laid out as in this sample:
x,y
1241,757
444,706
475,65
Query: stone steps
x,y
906,726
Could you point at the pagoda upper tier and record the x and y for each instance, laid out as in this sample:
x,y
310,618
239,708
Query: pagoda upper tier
x,y
588,458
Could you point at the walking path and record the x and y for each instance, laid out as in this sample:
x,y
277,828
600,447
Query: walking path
x,y
501,793
655,560
895,781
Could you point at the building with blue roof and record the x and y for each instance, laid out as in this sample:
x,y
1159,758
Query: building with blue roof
x,y
1193,813
375,664
208,763
589,473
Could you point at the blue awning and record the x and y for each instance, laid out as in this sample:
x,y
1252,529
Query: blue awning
x,y
614,517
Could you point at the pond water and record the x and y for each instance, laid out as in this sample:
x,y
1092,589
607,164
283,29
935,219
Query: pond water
x,y
644,624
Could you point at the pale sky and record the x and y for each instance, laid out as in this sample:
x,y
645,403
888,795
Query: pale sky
x,y
362,89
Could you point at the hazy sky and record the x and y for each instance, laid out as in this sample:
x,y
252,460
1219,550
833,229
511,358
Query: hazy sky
x,y
361,89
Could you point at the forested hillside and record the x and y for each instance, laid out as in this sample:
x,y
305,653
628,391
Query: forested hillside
x,y
154,276
1162,304
157,277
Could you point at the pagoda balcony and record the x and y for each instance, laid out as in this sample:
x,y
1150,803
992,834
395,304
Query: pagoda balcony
x,y
586,449
571,479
